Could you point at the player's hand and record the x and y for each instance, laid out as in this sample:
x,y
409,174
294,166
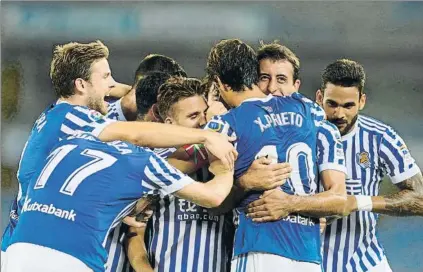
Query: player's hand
x,y
273,205
142,212
263,175
132,221
218,168
219,145
215,108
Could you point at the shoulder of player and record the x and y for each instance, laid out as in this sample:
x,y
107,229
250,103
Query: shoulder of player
x,y
86,114
373,125
325,125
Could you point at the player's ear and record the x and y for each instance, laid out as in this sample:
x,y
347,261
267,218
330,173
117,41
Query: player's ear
x,y
362,101
80,85
319,97
168,120
297,84
222,87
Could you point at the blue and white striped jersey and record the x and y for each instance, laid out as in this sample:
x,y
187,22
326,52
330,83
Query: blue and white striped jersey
x,y
182,236
284,129
174,228
57,122
84,188
114,110
372,150
116,259
330,152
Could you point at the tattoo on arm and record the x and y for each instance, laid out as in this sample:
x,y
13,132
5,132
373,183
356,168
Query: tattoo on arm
x,y
408,201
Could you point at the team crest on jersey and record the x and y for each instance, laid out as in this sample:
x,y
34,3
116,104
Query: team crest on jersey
x,y
215,126
95,115
363,159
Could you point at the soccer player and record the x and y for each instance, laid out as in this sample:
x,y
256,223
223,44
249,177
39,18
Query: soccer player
x,y
139,104
373,150
81,78
279,69
279,72
82,189
126,108
284,129
183,236
178,225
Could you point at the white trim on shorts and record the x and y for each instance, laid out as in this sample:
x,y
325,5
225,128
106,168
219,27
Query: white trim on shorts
x,y
259,262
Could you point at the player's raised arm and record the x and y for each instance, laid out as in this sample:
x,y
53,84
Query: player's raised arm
x,y
162,178
163,135
119,90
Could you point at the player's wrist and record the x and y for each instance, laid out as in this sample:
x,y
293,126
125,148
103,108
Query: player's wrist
x,y
364,203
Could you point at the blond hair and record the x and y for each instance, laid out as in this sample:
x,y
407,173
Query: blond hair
x,y
74,60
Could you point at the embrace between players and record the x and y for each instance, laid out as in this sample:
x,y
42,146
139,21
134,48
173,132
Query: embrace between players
x,y
278,162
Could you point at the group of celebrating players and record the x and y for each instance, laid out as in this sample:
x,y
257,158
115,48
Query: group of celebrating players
x,y
234,172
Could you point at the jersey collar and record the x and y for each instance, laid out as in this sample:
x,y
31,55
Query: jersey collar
x,y
353,131
264,99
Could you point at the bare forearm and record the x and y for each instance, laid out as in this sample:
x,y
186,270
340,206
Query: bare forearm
x,y
407,202
323,204
230,202
210,194
152,135
221,186
137,253
403,203
119,90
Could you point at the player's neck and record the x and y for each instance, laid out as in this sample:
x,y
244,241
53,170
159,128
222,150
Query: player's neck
x,y
247,93
74,100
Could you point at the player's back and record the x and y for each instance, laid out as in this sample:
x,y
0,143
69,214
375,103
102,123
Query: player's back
x,y
284,129
80,193
56,122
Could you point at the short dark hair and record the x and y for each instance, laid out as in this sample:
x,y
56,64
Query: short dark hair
x,y
345,73
235,63
160,63
74,60
147,89
275,51
174,90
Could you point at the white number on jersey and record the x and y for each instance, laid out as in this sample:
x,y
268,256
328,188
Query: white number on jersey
x,y
295,153
100,161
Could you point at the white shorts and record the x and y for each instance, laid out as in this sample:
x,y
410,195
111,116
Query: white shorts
x,y
23,257
259,262
3,260
383,266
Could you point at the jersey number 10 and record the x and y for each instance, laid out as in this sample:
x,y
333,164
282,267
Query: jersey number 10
x,y
300,157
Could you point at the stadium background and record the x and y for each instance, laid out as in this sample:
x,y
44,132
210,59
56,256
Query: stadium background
x,y
386,37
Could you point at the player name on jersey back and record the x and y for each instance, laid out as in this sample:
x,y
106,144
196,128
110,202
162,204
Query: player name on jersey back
x,y
279,119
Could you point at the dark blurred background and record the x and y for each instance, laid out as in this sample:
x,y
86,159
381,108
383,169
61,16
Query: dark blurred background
x,y
386,37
